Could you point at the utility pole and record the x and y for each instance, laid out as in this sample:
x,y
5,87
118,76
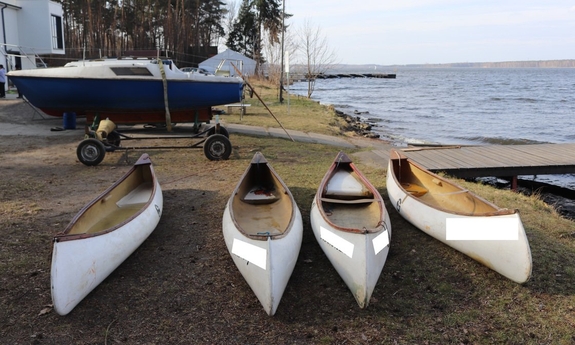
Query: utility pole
x,y
282,66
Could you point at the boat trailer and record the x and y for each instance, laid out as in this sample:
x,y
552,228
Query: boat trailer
x,y
106,138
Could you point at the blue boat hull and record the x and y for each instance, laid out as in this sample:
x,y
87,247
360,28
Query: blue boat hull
x,y
56,96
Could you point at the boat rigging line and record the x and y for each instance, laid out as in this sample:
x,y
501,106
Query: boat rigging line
x,y
261,100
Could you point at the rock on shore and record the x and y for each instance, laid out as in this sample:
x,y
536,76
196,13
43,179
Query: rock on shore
x,y
357,125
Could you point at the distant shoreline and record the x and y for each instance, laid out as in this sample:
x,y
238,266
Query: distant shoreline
x,y
568,63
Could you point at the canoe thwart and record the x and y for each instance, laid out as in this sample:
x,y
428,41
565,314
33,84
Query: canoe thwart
x,y
348,201
414,189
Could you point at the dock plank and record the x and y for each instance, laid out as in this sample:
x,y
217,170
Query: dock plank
x,y
499,154
497,160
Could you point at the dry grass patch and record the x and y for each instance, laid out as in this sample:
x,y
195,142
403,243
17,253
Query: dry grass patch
x,y
302,114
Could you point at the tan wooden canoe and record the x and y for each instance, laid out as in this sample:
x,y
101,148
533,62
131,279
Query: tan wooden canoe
x,y
491,235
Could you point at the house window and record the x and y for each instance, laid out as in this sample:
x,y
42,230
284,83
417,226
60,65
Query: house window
x,y
57,39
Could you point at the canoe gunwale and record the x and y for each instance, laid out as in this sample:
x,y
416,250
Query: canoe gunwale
x,y
142,161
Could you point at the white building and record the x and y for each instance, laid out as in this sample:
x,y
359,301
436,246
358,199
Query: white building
x,y
29,28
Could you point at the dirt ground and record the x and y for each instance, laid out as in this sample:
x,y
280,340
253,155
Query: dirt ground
x,y
180,286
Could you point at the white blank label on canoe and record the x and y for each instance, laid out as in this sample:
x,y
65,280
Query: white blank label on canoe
x,y
249,252
482,229
380,242
336,241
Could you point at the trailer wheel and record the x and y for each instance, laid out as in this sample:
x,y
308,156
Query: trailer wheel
x,y
223,131
217,147
91,151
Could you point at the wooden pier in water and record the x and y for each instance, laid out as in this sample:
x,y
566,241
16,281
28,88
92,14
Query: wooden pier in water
x,y
357,75
506,161
301,77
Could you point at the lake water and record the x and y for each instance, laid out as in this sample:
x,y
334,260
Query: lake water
x,y
467,106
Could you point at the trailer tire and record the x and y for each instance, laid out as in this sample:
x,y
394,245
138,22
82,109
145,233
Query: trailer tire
x,y
223,131
217,147
91,151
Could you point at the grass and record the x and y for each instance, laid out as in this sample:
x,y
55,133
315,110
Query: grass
x,y
181,286
302,114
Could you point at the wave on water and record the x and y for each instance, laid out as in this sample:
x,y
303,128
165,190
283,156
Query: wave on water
x,y
503,141
375,120
526,99
428,116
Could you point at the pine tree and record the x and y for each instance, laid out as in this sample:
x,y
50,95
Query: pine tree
x,y
256,17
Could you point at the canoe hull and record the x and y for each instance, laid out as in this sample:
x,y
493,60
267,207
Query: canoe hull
x,y
263,230
510,258
81,262
358,258
353,232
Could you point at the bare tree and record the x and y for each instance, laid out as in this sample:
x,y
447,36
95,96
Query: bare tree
x,y
316,53
272,52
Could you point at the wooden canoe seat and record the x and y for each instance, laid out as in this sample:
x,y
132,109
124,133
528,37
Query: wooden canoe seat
x,y
348,201
259,195
414,189
139,196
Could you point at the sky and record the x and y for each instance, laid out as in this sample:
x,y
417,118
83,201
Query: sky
x,y
403,32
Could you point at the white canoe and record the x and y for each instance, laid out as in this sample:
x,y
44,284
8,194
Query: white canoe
x,y
103,234
352,227
263,231
491,235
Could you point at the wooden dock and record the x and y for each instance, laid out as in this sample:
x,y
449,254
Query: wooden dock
x,y
497,160
357,75
301,77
